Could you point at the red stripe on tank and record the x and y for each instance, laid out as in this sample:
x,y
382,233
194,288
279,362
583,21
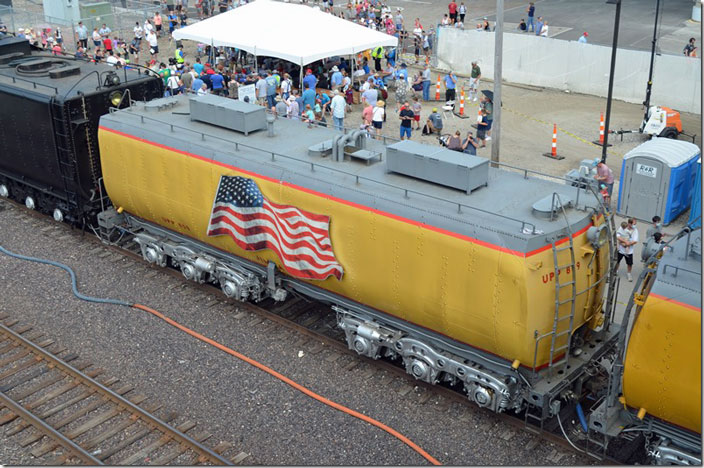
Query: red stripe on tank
x,y
674,301
349,203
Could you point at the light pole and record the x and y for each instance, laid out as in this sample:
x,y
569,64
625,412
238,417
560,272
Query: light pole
x,y
611,77
498,52
649,88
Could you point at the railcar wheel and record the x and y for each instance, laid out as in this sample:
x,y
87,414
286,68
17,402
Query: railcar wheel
x,y
189,271
4,192
58,215
29,203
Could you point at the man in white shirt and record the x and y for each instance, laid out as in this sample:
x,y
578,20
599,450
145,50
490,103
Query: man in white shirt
x,y
111,60
627,237
153,44
337,107
138,33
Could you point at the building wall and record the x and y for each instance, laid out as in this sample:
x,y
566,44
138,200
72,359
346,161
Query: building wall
x,y
579,68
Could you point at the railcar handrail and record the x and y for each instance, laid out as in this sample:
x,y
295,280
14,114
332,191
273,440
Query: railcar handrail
x,y
33,83
313,165
678,269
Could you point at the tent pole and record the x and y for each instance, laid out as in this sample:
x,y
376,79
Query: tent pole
x,y
300,79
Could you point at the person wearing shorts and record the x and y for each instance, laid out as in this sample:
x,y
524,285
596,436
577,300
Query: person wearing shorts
x,y
416,108
627,238
378,117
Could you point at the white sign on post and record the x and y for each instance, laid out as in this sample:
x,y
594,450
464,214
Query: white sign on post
x,y
648,171
247,91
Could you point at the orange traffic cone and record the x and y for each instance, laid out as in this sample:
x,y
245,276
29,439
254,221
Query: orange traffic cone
x,y
437,89
553,152
461,102
602,126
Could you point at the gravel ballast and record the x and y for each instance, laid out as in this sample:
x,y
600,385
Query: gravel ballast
x,y
258,414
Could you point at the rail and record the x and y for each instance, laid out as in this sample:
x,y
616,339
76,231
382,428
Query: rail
x,y
108,394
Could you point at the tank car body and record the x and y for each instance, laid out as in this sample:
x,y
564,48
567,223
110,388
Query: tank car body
x,y
493,286
50,107
663,367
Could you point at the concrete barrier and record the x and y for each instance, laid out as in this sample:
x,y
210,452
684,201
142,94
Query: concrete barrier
x,y
580,68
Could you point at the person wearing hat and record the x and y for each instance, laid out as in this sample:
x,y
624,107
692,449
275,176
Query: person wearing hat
x,y
336,78
378,117
280,109
433,124
474,81
604,174
309,81
583,38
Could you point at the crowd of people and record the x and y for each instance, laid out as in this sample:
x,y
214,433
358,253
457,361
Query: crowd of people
x,y
329,87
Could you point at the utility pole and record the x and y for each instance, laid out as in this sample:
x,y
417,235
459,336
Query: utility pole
x,y
498,53
611,78
649,88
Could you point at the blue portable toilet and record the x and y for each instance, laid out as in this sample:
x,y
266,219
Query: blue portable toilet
x,y
695,213
657,179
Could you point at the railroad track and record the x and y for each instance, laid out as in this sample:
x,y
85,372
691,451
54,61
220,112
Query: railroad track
x,y
68,412
316,325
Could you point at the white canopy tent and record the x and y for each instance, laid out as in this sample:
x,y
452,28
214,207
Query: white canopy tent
x,y
296,33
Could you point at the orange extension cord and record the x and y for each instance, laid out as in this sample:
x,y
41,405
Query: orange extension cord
x,y
290,382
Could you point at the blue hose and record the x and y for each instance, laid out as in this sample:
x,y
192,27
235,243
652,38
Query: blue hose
x,y
68,269
582,419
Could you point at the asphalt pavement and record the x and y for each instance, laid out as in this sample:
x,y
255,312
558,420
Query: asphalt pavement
x,y
574,17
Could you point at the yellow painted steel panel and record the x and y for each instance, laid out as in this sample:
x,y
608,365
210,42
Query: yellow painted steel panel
x,y
468,290
663,370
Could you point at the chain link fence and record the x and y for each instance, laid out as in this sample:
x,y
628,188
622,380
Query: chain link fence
x,y
121,20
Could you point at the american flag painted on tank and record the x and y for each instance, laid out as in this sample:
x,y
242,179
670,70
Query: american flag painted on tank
x,y
300,239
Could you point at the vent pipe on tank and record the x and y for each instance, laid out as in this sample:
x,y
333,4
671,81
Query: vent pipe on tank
x,y
270,124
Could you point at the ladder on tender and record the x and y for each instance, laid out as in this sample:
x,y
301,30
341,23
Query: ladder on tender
x,y
611,274
68,167
565,281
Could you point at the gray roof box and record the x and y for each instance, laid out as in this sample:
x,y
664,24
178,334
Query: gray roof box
x,y
240,116
441,166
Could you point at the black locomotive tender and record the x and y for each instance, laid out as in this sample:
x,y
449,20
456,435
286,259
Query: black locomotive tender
x,y
49,126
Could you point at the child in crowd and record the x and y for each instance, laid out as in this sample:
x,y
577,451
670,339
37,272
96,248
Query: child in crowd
x,y
605,194
416,107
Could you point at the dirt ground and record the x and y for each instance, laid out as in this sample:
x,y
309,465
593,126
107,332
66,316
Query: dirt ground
x,y
527,124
